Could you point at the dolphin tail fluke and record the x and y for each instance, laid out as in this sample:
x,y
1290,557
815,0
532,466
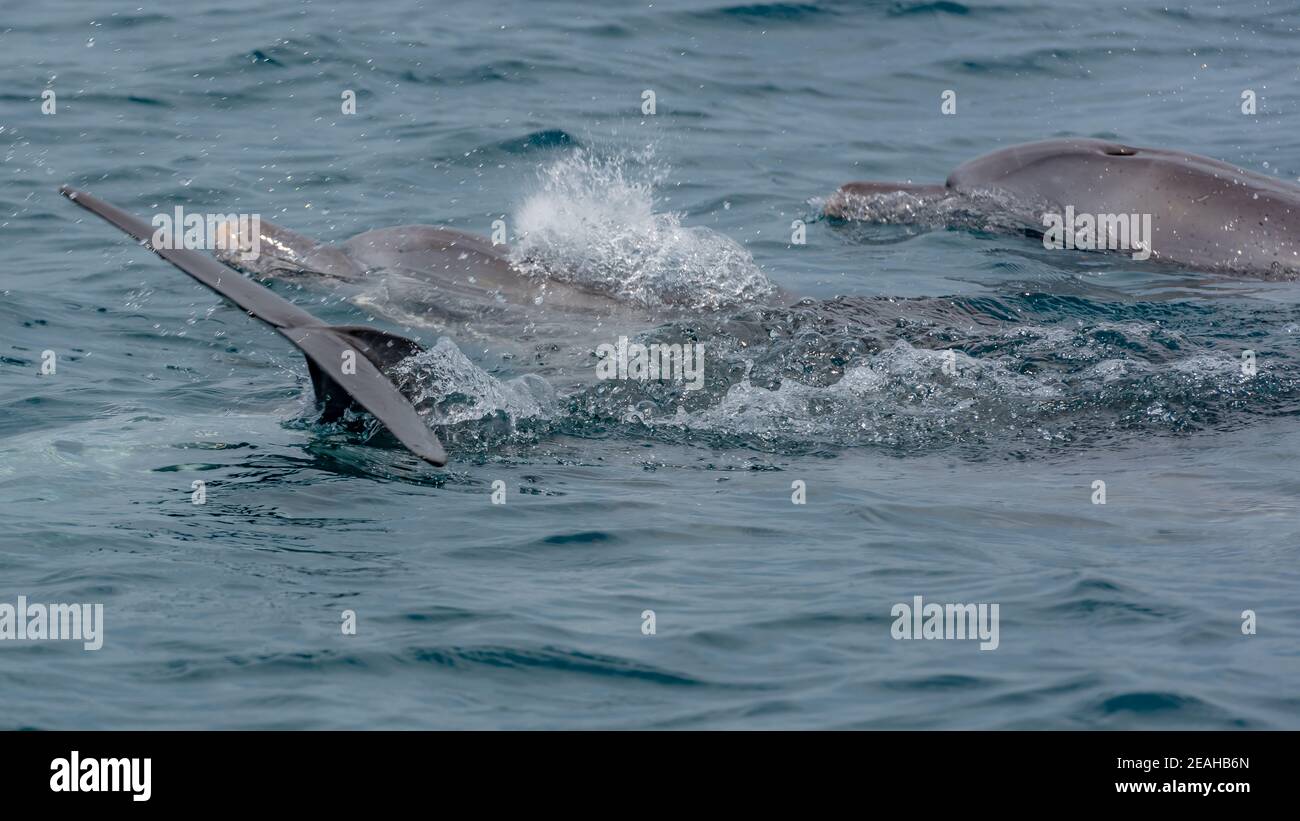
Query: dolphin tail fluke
x,y
340,378
385,350
845,202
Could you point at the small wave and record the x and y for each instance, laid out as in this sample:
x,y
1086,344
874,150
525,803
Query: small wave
x,y
544,659
765,12
940,7
1160,707
259,56
538,140
592,223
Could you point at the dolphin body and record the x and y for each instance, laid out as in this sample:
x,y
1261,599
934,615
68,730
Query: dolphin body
x,y
454,283
472,274
1205,214
417,275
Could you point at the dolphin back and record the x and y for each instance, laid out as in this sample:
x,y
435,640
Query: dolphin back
x,y
1203,213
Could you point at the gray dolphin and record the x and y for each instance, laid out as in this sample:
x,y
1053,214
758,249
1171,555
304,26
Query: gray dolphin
x,y
421,275
471,273
455,283
1204,213
340,378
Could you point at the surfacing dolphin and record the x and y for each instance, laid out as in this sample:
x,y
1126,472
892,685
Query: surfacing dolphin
x,y
1205,214
427,276
339,377
447,281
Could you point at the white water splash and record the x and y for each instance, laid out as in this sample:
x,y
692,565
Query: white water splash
x,y
456,390
978,210
593,224
898,383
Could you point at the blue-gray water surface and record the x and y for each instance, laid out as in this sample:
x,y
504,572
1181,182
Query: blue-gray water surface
x,y
975,484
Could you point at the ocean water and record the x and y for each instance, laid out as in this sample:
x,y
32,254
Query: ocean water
x,y
971,486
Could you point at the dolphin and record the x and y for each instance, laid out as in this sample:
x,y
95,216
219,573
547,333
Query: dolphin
x,y
450,282
473,275
421,275
341,379
1203,213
